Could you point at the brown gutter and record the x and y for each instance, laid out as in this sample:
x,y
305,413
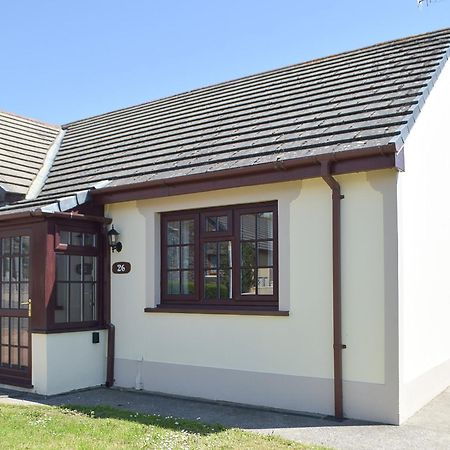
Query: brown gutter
x,y
379,157
337,304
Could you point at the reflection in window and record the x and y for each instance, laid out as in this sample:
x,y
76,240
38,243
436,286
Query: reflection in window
x,y
256,247
217,278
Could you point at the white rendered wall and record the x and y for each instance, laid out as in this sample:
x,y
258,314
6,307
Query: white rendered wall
x,y
424,249
282,362
64,362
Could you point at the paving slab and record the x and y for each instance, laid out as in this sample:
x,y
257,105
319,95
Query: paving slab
x,y
428,429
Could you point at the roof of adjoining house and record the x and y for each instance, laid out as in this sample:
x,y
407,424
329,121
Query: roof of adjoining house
x,y
354,101
23,146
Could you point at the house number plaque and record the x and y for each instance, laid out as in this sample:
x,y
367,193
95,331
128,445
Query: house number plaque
x,y
121,267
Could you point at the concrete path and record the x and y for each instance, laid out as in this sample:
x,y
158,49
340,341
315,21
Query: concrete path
x,y
428,429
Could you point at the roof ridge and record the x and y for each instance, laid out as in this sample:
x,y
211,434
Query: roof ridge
x,y
279,69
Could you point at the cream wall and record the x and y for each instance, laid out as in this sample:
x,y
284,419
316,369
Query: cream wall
x,y
64,362
424,249
283,362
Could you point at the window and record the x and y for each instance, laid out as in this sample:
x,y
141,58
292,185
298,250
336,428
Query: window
x,y
76,279
220,257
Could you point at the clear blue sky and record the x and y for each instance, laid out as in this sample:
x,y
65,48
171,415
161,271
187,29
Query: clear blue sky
x,y
65,60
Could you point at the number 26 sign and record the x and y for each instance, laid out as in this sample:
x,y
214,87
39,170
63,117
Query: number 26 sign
x,y
121,267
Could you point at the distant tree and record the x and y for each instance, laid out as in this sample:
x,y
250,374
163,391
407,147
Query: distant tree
x,y
421,3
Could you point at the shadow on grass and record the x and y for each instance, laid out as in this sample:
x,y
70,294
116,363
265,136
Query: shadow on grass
x,y
166,422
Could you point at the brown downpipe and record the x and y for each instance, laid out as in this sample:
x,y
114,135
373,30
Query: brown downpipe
x,y
110,356
337,308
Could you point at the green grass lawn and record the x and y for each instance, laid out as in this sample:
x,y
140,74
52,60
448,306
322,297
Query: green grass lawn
x,y
74,427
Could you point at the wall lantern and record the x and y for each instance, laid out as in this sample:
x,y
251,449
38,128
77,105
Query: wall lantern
x,y
113,239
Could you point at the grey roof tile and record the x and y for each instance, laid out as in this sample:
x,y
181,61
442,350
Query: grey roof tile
x,y
23,147
351,101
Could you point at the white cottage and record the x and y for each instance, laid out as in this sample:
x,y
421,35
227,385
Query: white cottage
x,y
284,240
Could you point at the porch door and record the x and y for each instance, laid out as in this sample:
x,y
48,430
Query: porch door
x,y
15,310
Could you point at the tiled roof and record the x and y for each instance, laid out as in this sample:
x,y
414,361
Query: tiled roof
x,y
353,101
23,147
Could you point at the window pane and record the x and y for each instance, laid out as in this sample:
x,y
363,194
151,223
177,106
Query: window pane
x,y
210,255
248,254
265,225
24,331
187,282
248,282
210,285
265,253
89,240
5,295
248,227
24,357
15,263
225,254
187,231
265,281
16,245
75,267
6,268
173,282
24,295
14,295
6,246
76,238
4,356
222,223
211,223
89,268
216,223
24,268
14,331
75,302
62,267
25,245
62,302
64,237
4,337
14,356
173,233
89,301
173,257
225,291
187,257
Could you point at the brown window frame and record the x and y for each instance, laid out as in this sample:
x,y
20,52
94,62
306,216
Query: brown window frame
x,y
238,301
79,250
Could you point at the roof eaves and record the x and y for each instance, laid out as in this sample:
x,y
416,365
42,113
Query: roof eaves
x,y
277,171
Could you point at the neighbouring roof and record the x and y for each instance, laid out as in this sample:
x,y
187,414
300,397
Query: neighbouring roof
x,y
23,147
351,102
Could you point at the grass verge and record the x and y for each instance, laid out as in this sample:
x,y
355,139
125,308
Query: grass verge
x,y
103,427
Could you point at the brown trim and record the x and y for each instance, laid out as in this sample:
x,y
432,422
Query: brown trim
x,y
234,311
337,301
296,169
71,329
